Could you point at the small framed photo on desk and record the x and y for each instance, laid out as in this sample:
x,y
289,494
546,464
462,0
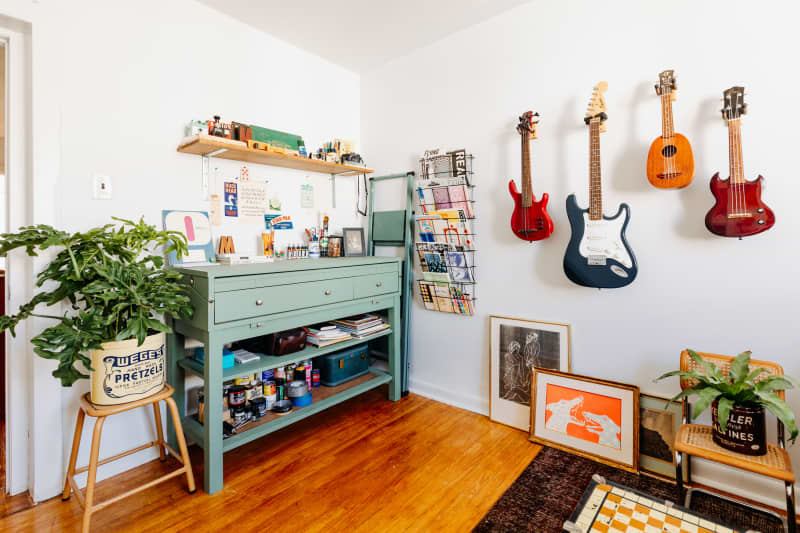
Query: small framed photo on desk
x,y
354,242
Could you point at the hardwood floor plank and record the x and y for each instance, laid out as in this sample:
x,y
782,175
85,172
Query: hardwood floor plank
x,y
365,465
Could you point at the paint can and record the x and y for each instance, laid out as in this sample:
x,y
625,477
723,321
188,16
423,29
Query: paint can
x,y
239,415
243,380
270,399
267,375
299,374
280,373
237,395
268,387
259,407
315,378
254,391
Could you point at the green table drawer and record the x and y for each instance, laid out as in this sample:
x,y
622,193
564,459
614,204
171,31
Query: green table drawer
x,y
238,305
375,284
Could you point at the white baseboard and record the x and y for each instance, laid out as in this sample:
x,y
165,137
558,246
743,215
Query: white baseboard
x,y
473,403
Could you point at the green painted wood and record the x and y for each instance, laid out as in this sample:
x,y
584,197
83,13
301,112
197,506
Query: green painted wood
x,y
267,362
229,293
304,412
250,303
324,263
389,228
246,329
175,376
193,430
235,283
376,284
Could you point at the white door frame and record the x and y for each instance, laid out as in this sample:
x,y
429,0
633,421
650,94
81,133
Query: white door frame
x,y
34,436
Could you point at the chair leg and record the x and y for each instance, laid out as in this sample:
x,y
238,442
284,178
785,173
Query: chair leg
x,y
679,475
791,520
187,463
159,432
92,475
73,456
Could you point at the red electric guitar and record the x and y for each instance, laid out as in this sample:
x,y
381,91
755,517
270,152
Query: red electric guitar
x,y
530,221
739,211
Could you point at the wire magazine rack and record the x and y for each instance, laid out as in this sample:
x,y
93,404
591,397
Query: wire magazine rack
x,y
445,232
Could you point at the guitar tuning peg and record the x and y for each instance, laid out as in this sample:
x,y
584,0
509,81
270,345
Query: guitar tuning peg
x,y
744,109
674,84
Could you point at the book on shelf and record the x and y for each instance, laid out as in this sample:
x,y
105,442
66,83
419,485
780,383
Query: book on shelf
x,y
325,334
362,326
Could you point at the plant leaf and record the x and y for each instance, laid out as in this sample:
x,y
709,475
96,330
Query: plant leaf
x,y
740,367
724,412
704,399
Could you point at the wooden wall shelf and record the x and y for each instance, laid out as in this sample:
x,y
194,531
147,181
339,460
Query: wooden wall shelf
x,y
207,145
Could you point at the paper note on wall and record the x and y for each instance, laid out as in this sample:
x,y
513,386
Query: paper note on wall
x,y
252,200
216,210
231,199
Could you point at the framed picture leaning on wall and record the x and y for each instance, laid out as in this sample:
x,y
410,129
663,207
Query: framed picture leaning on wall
x,y
354,242
516,347
593,418
657,430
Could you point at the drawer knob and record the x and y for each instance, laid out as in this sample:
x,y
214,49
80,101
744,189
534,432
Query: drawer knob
x,y
259,302
378,284
258,324
328,292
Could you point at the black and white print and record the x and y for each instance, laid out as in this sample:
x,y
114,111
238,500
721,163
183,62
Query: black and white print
x,y
522,349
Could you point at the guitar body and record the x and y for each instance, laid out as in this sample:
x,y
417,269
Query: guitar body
x,y
598,255
530,223
670,164
738,211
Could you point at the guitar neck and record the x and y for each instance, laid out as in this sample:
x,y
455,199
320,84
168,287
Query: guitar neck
x,y
527,191
667,126
595,184
735,161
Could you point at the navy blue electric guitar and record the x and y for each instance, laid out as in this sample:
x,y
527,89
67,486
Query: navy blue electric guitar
x,y
598,254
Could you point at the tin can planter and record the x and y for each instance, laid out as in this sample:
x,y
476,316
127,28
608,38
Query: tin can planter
x,y
126,372
746,430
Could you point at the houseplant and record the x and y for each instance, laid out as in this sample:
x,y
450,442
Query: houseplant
x,y
738,402
117,291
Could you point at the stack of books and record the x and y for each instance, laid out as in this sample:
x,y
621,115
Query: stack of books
x,y
325,335
362,326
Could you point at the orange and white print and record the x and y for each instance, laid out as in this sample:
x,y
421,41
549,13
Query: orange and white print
x,y
584,415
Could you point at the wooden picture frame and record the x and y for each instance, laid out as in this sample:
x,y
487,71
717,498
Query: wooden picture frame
x,y
516,346
353,242
653,417
608,433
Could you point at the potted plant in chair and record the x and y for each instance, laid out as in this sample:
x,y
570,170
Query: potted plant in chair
x,y
118,294
737,401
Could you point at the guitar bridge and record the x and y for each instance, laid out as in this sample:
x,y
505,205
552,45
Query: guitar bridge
x,y
669,175
740,215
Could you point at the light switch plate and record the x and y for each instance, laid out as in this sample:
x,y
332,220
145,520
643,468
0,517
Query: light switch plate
x,y
102,187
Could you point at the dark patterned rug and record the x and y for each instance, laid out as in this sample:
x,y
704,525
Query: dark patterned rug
x,y
545,494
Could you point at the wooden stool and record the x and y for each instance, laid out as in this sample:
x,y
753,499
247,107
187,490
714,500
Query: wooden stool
x,y
101,412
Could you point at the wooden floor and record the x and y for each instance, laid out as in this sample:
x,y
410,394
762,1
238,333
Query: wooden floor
x,y
366,465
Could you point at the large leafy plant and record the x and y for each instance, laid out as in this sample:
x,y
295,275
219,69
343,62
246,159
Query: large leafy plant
x,y
114,282
738,388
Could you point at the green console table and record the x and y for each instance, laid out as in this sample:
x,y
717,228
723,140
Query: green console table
x,y
236,302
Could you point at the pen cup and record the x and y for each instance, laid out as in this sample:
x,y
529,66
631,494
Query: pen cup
x,y
313,249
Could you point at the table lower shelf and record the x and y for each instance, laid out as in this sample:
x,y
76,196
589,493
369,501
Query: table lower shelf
x,y
323,398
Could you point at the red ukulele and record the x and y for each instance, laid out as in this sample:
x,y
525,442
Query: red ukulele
x,y
530,221
739,211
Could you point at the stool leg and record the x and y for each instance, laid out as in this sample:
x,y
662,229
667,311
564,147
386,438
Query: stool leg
x,y
73,456
187,463
92,476
791,520
159,432
679,475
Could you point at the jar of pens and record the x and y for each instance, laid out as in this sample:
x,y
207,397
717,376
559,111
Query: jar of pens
x,y
318,239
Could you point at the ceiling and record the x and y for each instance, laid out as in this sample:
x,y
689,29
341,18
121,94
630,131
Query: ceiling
x,y
361,34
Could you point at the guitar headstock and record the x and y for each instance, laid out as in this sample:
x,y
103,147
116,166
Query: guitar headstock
x,y
596,112
733,105
528,123
667,84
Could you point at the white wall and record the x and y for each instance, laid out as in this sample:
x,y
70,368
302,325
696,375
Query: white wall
x,y
132,74
694,289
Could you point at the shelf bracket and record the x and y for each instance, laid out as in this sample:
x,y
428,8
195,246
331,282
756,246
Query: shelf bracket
x,y
333,191
206,158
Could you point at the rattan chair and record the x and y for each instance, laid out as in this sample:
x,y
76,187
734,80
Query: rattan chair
x,y
695,440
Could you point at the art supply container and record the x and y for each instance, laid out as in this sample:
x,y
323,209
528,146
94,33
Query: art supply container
x,y
313,250
239,415
259,407
267,375
269,387
315,378
237,395
270,399
302,401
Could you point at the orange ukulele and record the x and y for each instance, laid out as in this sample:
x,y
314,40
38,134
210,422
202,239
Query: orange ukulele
x,y
670,164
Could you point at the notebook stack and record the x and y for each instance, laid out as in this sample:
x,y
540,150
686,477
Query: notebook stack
x,y
362,326
326,334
